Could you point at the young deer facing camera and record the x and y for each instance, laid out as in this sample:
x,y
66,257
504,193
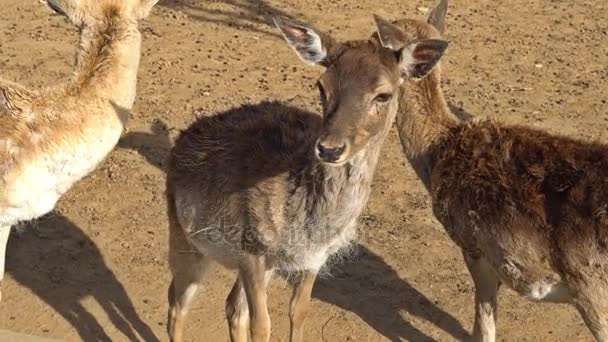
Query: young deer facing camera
x,y
269,187
49,139
527,208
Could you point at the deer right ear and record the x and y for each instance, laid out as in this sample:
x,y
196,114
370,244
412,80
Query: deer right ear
x,y
419,58
437,16
311,46
390,36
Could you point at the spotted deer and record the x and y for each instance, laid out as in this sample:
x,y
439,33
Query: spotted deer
x,y
51,138
273,188
527,208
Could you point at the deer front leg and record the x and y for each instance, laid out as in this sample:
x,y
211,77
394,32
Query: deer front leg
x,y
5,231
300,303
486,290
255,276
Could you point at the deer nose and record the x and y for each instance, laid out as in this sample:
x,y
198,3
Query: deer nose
x,y
330,154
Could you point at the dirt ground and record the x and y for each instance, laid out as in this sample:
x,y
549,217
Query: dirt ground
x,y
96,269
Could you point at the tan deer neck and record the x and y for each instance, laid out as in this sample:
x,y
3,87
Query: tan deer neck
x,y
107,60
423,118
359,171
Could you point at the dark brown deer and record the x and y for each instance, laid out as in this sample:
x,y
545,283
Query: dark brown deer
x,y
528,209
270,187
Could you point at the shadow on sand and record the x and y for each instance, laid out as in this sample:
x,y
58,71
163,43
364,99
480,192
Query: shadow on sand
x,y
62,266
372,289
251,15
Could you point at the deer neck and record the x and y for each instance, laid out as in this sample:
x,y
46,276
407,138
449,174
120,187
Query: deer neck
x,y
423,119
346,188
107,60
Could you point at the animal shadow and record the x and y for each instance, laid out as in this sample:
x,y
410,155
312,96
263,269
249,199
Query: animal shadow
x,y
373,290
62,266
154,146
250,15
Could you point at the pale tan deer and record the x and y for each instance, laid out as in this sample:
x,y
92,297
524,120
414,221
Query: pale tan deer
x,y
528,209
51,138
270,187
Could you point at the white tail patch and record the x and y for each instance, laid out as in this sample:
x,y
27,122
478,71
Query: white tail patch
x,y
549,291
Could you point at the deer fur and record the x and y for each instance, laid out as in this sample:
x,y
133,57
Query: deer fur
x,y
271,187
51,138
527,208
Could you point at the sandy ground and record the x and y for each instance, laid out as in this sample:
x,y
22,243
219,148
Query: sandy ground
x,y
96,269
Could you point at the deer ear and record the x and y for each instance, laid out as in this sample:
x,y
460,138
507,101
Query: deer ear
x,y
390,36
419,58
71,9
145,7
311,46
4,103
437,16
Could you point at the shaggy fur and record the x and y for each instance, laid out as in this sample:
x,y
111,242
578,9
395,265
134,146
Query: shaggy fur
x,y
252,168
528,208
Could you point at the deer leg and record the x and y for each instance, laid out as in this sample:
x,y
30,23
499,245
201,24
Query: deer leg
x,y
300,302
255,277
486,290
594,310
5,231
183,288
237,312
188,268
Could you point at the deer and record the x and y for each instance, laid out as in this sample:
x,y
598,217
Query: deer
x,y
526,207
269,188
51,138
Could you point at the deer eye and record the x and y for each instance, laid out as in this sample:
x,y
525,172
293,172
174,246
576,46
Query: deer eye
x,y
382,98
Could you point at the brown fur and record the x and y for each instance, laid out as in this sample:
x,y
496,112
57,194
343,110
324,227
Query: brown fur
x,y
528,208
532,205
249,187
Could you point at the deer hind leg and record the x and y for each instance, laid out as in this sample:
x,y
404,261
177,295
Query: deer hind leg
x,y
593,307
5,231
237,310
255,277
188,268
237,313
300,303
486,290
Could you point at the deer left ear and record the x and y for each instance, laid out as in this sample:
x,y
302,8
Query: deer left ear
x,y
4,102
144,8
419,58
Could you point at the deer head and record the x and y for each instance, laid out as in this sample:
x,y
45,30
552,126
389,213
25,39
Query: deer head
x,y
360,84
87,12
